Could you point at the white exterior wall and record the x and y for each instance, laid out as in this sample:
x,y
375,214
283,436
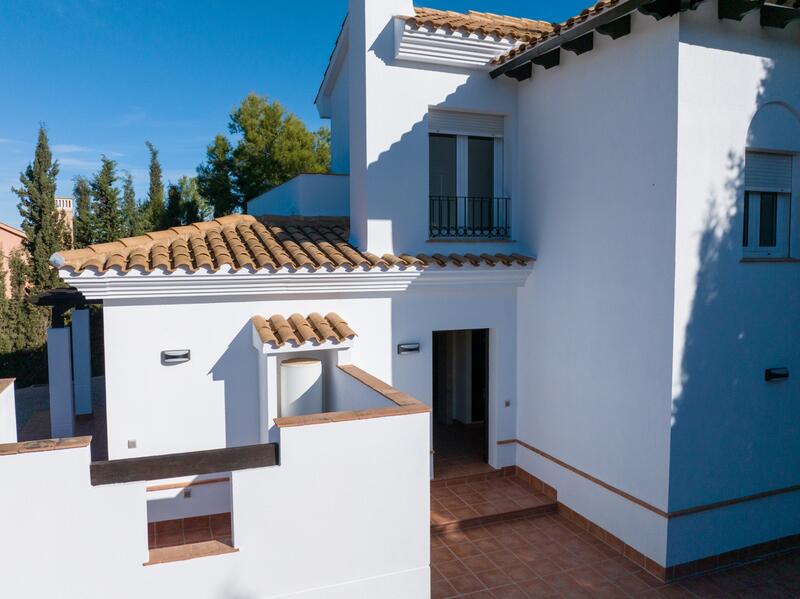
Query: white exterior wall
x,y
596,180
340,123
8,412
306,195
389,103
332,521
733,434
213,400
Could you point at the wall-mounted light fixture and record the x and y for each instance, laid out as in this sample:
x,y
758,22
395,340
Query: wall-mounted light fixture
x,y
772,375
175,356
407,348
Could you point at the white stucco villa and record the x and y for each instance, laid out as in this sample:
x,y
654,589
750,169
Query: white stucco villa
x,y
564,254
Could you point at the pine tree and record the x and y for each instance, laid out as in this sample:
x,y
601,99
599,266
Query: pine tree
x,y
155,193
273,146
215,178
131,217
84,222
105,203
43,224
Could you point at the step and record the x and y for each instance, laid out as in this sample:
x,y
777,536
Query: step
x,y
467,502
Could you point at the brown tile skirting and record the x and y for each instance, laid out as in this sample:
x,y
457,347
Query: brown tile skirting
x,y
671,573
404,404
44,445
674,514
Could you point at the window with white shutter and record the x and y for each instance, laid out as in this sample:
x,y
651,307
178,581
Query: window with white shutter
x,y
467,193
767,204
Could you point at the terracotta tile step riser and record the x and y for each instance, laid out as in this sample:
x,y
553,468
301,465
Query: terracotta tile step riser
x,y
541,510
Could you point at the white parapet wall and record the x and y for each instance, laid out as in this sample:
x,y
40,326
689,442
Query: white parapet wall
x,y
8,412
344,515
307,195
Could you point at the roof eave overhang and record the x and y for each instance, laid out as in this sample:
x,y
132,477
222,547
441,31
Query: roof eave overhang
x,y
447,47
612,14
133,285
335,64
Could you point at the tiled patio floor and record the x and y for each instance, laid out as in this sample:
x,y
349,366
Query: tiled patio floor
x,y
485,499
547,556
176,540
459,450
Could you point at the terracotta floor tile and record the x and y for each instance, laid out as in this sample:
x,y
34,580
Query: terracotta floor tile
x,y
484,594
493,578
536,587
463,550
453,569
519,573
509,592
504,559
559,560
441,589
467,584
478,564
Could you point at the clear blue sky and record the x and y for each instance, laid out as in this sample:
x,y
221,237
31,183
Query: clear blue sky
x,y
105,76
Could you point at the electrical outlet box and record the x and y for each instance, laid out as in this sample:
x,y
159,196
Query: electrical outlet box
x,y
131,443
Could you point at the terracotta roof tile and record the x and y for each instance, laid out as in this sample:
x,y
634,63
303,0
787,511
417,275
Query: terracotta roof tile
x,y
480,22
587,13
298,330
242,241
558,29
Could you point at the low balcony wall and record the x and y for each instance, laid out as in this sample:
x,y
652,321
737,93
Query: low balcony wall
x,y
344,514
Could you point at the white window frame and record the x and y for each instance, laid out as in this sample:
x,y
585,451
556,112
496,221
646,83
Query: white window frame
x,y
783,225
783,233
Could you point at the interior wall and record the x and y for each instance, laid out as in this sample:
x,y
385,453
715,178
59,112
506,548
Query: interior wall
x,y
596,179
733,434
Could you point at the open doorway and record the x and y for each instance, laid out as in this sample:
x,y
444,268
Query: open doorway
x,y
460,403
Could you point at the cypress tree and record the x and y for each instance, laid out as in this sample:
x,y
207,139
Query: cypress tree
x,y
84,225
174,213
43,224
155,193
105,203
131,222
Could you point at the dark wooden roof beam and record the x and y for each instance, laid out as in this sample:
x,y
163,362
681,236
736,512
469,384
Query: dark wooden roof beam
x,y
580,45
773,15
660,9
549,60
522,72
737,9
616,29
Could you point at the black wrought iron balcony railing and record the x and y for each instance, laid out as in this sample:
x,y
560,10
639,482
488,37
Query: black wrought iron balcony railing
x,y
468,217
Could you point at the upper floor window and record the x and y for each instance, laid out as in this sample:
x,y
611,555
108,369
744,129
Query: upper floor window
x,y
466,188
767,205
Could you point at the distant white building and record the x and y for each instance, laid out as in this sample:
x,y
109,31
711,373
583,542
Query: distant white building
x,y
575,245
